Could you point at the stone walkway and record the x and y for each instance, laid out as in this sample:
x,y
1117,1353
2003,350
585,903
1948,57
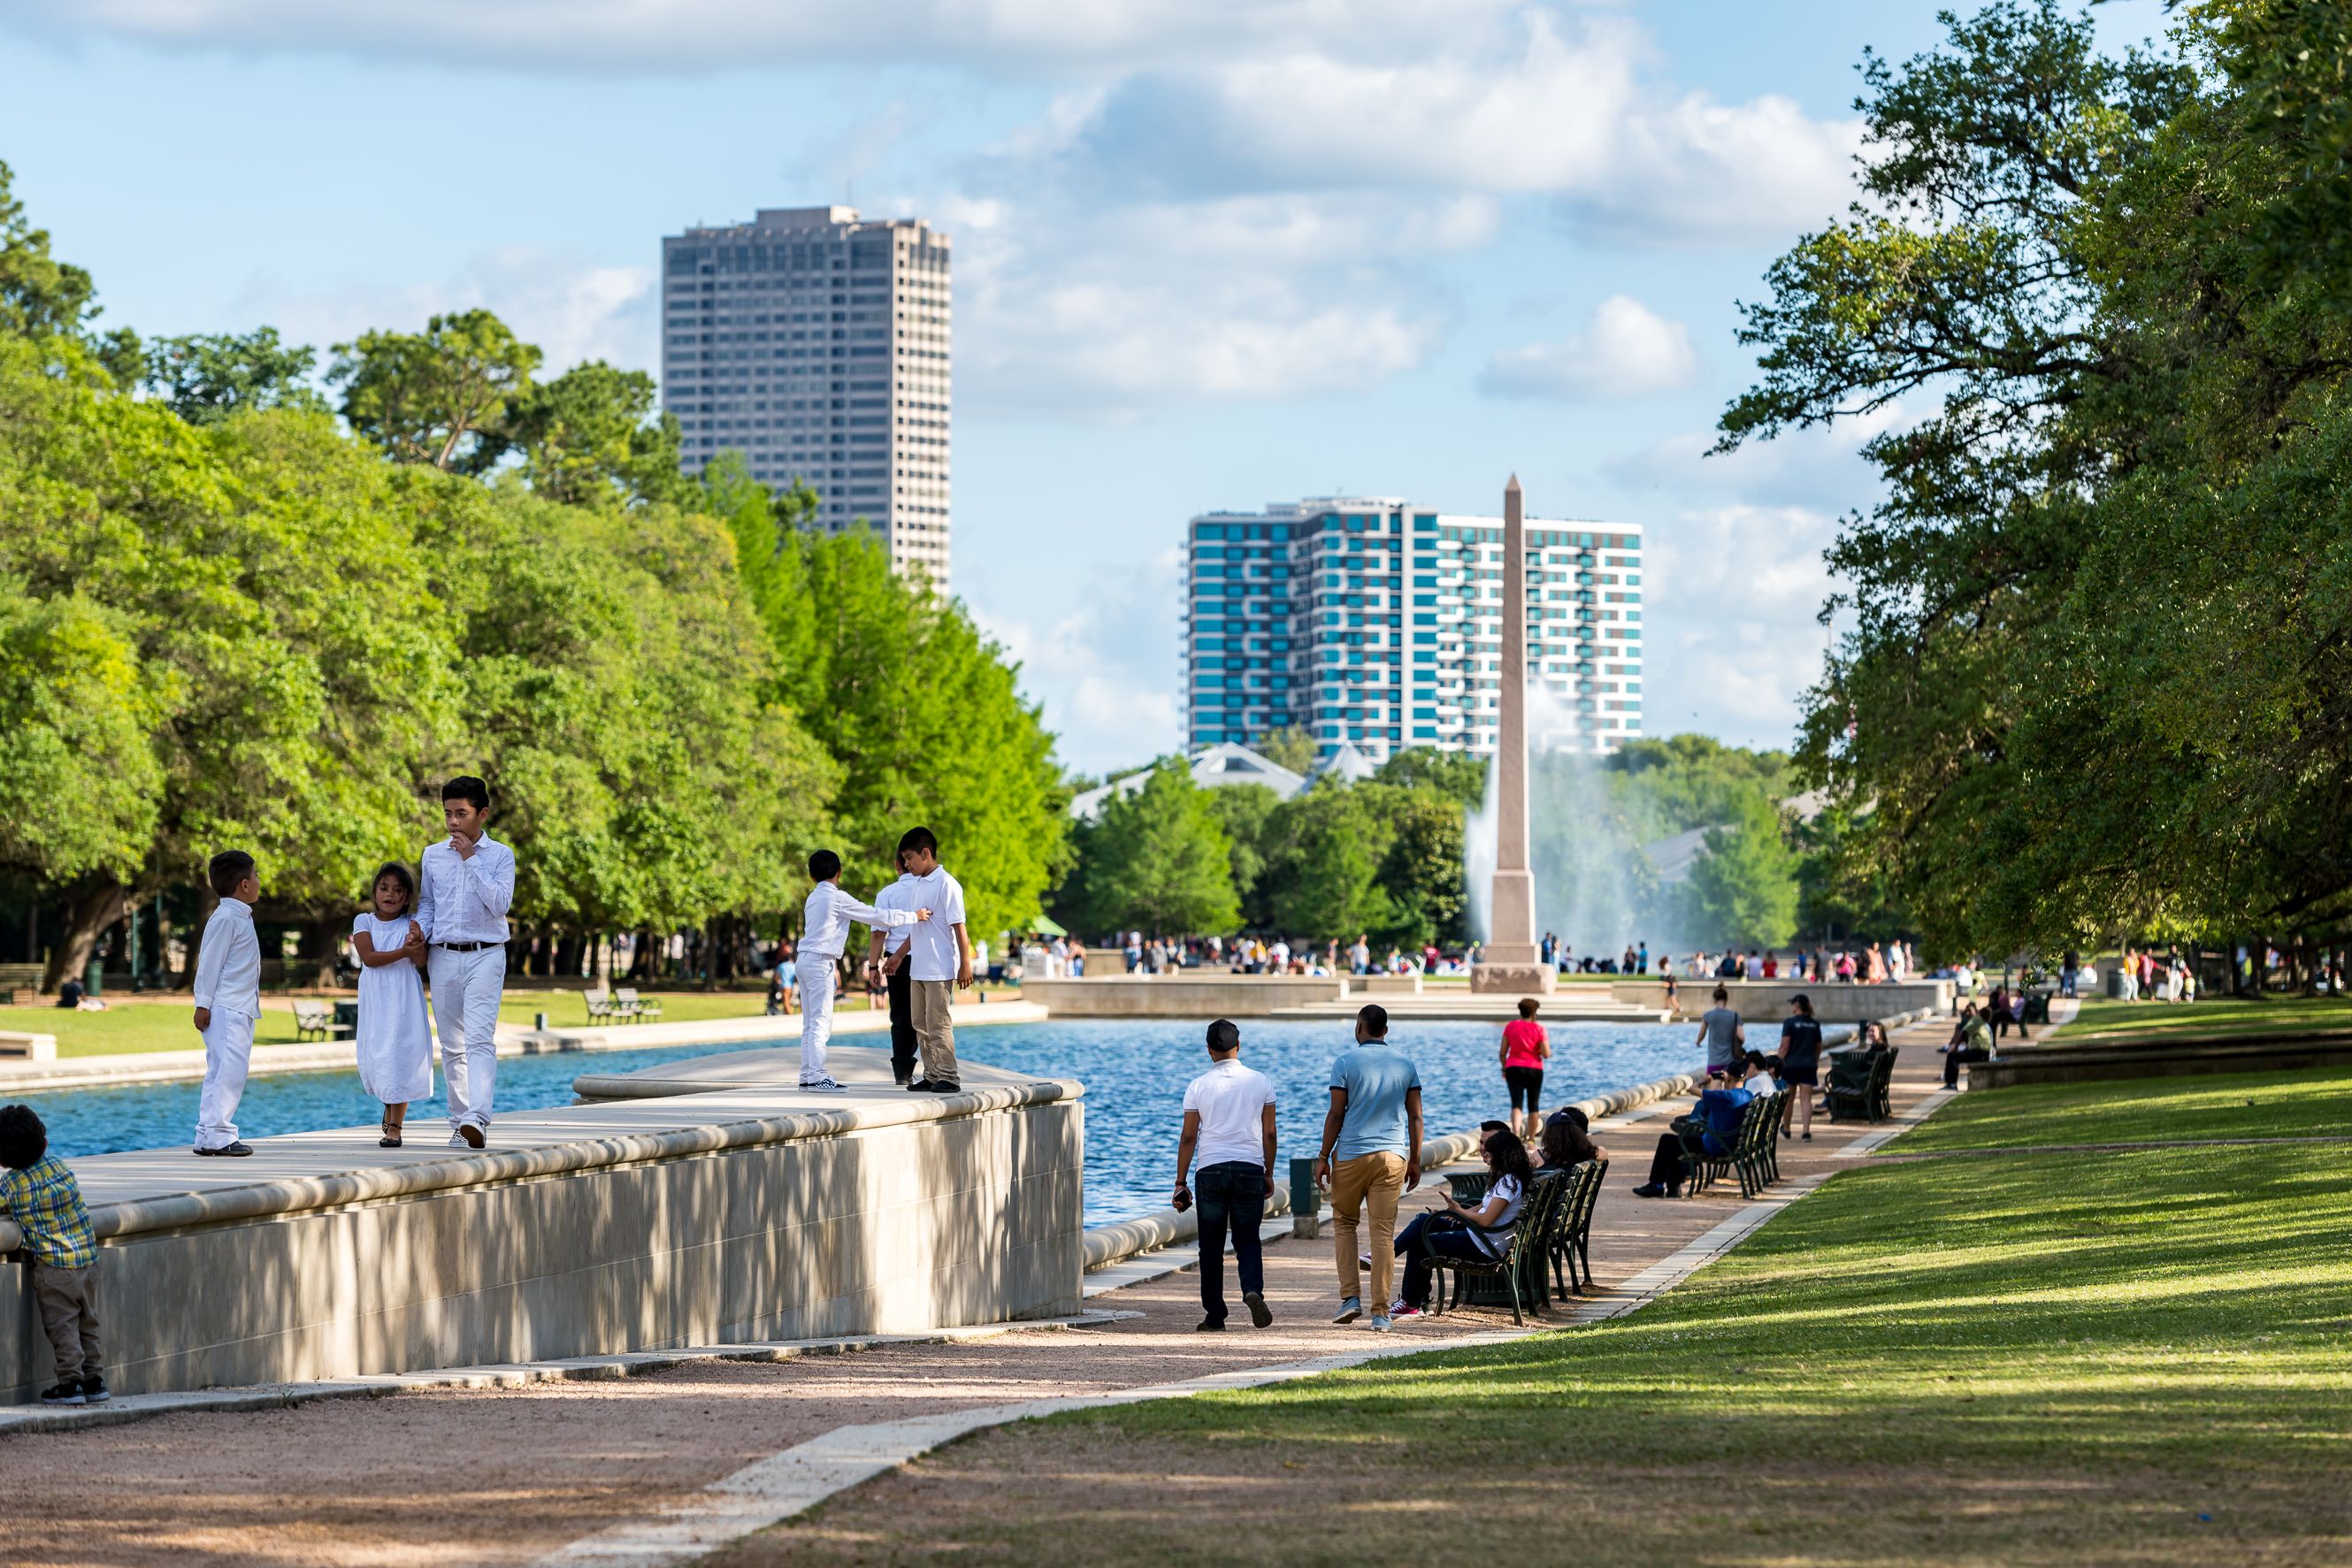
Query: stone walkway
x,y
510,1475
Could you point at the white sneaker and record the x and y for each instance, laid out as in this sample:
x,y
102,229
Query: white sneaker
x,y
820,1085
458,1142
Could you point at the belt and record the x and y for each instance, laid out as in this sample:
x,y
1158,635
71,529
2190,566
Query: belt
x,y
467,946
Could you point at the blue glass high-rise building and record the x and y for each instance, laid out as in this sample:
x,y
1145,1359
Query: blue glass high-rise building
x,y
1372,622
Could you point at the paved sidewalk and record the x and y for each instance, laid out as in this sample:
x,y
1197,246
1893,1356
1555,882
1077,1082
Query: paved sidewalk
x,y
508,1474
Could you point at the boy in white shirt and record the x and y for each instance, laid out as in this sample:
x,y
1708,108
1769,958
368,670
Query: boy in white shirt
x,y
465,885
886,955
940,959
227,998
1229,1122
825,932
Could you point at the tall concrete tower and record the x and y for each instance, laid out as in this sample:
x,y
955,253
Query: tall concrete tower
x,y
1510,961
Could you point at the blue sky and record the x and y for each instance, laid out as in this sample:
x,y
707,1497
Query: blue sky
x,y
1208,252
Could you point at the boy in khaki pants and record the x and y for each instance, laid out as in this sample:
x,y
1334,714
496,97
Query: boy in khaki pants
x,y
1370,1157
938,959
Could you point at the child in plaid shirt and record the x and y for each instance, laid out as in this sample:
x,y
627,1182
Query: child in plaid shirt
x,y
41,1195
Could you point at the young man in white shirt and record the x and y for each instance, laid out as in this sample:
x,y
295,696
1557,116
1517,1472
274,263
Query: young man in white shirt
x,y
940,960
886,955
464,885
824,932
1229,1125
229,999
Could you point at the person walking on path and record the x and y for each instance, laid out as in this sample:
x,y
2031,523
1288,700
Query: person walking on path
x,y
825,932
940,951
229,999
1526,1049
393,1038
42,1197
1229,1127
1800,1062
467,883
1720,1032
1371,1158
885,957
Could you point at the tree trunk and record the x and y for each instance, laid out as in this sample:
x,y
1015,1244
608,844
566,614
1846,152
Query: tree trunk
x,y
88,913
318,950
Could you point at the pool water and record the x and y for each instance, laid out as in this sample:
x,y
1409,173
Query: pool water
x,y
1135,1072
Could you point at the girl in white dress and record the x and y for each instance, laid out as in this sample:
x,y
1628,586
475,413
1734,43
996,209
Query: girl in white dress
x,y
395,1043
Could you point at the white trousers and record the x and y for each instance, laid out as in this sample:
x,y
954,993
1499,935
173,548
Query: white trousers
x,y
228,1051
817,973
466,989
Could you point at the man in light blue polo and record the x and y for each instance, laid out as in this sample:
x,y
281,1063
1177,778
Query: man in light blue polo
x,y
1370,1155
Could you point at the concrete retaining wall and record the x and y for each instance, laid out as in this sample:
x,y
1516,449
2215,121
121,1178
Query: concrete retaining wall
x,y
1187,996
1767,1001
876,1218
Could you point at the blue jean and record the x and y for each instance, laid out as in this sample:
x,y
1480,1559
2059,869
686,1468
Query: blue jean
x,y
1232,1197
1446,1236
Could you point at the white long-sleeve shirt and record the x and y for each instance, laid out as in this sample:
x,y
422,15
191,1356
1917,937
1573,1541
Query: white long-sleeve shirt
x,y
825,921
465,900
229,961
895,897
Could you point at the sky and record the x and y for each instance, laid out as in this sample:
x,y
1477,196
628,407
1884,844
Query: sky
x,y
1209,253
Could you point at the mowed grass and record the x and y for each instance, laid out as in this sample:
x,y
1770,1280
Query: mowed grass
x,y
2130,1358
2307,1102
133,1026
2102,1020
567,1008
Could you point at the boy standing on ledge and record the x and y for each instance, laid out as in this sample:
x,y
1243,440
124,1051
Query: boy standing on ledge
x,y
229,999
938,957
466,885
824,932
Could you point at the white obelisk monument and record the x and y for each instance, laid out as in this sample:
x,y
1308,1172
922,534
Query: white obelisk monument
x,y
1510,961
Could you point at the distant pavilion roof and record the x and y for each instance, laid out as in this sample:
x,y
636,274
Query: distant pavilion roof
x,y
1213,766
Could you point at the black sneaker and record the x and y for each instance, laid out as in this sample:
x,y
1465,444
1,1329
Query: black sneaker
x,y
1651,1189
63,1393
919,1086
947,1088
93,1391
1206,1325
227,1151
1260,1314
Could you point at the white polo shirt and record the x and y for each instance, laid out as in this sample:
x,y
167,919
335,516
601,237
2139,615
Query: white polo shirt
x,y
1232,1099
932,947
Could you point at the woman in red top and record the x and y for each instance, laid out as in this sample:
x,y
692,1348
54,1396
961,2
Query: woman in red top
x,y
1524,1051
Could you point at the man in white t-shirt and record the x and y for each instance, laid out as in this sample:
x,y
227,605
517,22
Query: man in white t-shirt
x,y
1229,1125
1278,959
938,958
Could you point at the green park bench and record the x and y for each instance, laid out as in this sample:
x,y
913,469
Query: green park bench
x,y
1520,1267
1860,1083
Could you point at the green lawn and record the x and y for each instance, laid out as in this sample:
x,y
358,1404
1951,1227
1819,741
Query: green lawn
x,y
2302,1103
2133,1358
565,1010
2102,1019
131,1026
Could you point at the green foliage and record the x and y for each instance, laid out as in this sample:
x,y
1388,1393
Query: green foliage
x,y
917,707
79,784
592,434
439,396
1743,891
1456,776
207,378
1290,747
1155,861
2096,682
1323,866
46,301
1243,812
1422,871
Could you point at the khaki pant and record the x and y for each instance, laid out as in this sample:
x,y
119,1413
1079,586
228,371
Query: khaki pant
x,y
929,1000
69,1313
1381,1179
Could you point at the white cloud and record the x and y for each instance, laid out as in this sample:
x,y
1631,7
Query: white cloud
x,y
1174,303
572,310
1552,106
1731,599
1625,351
1822,467
1104,671
693,37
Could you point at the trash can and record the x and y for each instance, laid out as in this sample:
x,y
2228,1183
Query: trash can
x,y
347,1021
2114,982
2037,1009
92,977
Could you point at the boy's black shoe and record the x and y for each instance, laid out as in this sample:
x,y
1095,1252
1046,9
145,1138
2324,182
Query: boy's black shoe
x,y
93,1391
63,1393
919,1086
948,1088
1209,1325
228,1151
